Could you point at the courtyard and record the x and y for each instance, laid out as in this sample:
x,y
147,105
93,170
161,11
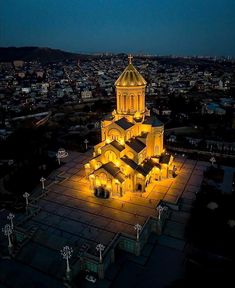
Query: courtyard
x,y
69,214
72,211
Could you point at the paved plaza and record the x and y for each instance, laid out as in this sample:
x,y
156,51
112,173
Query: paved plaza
x,y
72,211
71,215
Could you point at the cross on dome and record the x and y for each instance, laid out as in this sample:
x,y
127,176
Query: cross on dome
x,y
130,58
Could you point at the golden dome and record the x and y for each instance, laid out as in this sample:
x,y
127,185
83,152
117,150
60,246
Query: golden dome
x,y
130,77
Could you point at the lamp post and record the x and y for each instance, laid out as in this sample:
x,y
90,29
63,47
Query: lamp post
x,y
138,228
66,253
100,248
86,142
212,160
10,217
42,180
26,196
7,232
160,210
61,154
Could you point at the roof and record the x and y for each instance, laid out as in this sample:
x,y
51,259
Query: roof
x,y
151,120
130,162
117,145
142,169
136,145
130,77
113,170
148,166
124,123
133,165
165,158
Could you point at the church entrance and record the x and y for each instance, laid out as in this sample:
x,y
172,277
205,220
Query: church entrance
x,y
139,187
101,192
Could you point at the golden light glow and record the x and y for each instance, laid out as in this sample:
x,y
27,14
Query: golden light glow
x,y
137,115
122,142
144,147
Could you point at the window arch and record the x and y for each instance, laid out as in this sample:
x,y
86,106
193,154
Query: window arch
x,y
124,102
114,134
132,102
110,156
103,178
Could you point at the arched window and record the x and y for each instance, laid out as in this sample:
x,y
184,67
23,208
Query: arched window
x,y
119,102
132,102
124,103
103,179
110,156
114,134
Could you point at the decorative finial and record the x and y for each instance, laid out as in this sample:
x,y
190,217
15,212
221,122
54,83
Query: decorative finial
x,y
130,58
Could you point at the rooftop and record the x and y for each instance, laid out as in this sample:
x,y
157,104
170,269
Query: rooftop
x,y
112,169
117,145
130,77
152,121
124,123
136,145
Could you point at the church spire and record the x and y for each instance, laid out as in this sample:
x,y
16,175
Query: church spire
x,y
130,91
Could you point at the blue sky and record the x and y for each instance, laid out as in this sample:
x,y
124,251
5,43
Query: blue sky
x,y
179,27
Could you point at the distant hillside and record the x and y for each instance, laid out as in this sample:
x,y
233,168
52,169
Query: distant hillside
x,y
34,53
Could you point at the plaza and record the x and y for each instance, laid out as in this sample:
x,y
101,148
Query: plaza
x,y
69,214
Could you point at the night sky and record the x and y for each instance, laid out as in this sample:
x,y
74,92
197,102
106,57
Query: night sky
x,y
177,27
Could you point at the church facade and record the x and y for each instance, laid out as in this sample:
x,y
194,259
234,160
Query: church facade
x,y
131,154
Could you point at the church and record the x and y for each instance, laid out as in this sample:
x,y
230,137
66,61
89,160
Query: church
x,y
131,154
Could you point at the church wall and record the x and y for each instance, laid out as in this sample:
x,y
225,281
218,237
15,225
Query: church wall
x,y
144,128
139,182
110,154
150,144
132,154
130,100
158,141
131,105
97,148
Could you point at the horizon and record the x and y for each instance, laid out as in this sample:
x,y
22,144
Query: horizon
x,y
178,28
140,54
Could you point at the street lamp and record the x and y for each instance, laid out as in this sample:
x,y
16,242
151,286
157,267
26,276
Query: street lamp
x,y
61,154
212,160
138,228
42,180
10,217
7,232
66,253
26,196
86,142
100,247
161,210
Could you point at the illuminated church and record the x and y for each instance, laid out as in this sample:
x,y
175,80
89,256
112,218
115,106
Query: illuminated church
x,y
131,154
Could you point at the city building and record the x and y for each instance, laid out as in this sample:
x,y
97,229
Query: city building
x,y
131,154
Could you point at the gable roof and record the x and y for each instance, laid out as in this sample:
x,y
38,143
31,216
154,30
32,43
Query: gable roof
x,y
165,158
151,120
117,145
113,170
136,144
142,169
124,123
129,162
